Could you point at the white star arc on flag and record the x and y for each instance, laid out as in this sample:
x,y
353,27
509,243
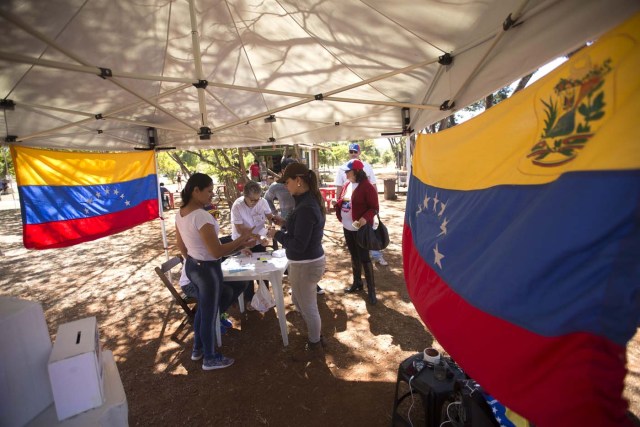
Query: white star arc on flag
x,y
437,257
443,227
423,209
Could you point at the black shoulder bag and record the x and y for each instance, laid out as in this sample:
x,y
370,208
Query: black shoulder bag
x,y
373,240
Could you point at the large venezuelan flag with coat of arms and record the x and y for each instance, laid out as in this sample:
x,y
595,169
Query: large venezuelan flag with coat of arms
x,y
68,198
521,244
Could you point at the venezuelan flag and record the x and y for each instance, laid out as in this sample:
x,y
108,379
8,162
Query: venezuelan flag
x,y
522,238
68,198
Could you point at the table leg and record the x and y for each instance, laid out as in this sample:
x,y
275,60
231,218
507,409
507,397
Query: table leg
x,y
216,327
278,295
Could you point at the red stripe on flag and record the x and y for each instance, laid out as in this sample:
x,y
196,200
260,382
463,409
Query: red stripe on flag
x,y
574,379
61,234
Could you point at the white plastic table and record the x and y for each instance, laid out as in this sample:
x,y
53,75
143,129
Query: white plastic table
x,y
239,268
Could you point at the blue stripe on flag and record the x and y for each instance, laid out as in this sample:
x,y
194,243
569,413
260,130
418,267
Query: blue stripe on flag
x,y
554,258
41,204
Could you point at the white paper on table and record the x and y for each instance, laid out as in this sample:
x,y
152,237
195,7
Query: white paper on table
x,y
233,265
280,253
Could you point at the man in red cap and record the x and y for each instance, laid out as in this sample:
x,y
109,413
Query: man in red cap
x,y
341,178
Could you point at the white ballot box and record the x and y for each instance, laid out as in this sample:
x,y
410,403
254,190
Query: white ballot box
x,y
75,368
114,412
25,346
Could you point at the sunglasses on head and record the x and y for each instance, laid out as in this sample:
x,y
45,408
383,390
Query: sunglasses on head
x,y
353,151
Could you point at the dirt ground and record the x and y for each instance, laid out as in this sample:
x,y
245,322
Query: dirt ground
x,y
114,279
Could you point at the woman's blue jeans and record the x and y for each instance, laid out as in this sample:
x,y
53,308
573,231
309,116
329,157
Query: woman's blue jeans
x,y
207,277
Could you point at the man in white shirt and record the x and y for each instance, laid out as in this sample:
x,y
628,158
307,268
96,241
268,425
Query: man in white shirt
x,y
341,178
251,211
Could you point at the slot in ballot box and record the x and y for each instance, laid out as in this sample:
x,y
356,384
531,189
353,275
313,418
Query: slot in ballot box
x,y
75,368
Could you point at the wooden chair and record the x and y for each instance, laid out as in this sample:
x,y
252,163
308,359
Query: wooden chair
x,y
188,305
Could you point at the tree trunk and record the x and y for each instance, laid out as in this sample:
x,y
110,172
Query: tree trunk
x,y
522,83
488,101
183,168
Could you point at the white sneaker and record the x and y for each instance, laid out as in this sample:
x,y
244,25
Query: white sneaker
x,y
382,261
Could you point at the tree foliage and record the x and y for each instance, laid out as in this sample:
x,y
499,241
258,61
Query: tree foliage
x,y
6,163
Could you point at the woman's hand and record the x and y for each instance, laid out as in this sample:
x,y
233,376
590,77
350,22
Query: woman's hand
x,y
334,202
362,221
247,238
271,232
245,251
278,220
264,241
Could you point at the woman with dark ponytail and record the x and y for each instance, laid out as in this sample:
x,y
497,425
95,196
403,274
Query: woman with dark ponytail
x,y
301,236
197,239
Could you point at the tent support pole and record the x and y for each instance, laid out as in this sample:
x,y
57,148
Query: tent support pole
x,y
197,58
165,244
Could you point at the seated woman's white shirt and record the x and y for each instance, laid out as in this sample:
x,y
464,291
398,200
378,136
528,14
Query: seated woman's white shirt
x,y
253,217
189,227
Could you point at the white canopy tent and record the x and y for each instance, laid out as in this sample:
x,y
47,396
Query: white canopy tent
x,y
208,73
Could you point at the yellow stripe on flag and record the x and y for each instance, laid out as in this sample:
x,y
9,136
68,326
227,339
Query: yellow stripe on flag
x,y
48,167
584,116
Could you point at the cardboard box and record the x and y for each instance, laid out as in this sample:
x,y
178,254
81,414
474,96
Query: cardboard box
x,y
25,346
114,412
75,368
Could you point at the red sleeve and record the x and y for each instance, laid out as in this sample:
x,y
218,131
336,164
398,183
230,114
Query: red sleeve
x,y
372,203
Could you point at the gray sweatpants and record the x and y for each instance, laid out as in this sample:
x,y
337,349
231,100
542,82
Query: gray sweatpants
x,y
303,278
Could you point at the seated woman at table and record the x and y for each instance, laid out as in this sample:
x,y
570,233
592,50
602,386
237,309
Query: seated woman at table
x,y
197,238
250,212
302,240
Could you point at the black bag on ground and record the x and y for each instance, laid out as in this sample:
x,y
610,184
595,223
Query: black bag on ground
x,y
373,240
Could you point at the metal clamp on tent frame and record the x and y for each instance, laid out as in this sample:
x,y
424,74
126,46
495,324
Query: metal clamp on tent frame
x,y
10,138
99,116
406,121
152,135
319,97
100,131
105,72
446,106
446,59
509,23
271,139
270,119
7,104
205,133
201,84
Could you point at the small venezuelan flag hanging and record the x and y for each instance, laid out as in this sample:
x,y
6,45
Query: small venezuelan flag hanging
x,y
68,198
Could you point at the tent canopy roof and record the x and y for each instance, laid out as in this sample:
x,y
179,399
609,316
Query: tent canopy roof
x,y
326,70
